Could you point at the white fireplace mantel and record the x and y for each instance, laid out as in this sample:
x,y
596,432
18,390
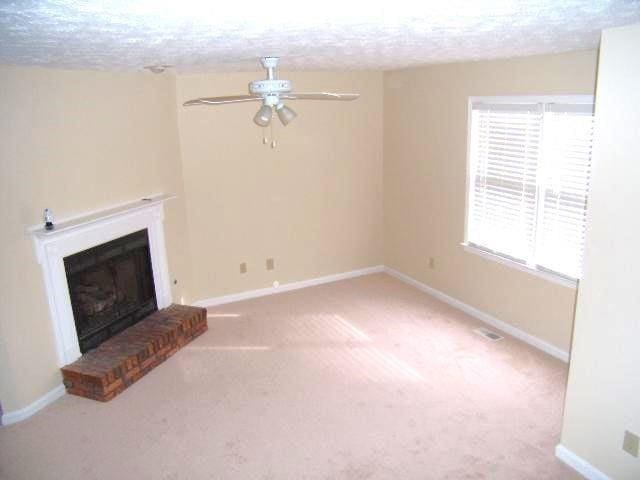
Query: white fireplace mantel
x,y
80,233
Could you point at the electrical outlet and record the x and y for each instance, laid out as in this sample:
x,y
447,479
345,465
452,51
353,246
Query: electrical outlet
x,y
631,443
270,264
243,267
432,263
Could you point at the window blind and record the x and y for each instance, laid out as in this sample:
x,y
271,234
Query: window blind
x,y
529,181
564,183
505,144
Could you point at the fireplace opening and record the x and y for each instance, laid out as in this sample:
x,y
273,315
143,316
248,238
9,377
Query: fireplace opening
x,y
111,288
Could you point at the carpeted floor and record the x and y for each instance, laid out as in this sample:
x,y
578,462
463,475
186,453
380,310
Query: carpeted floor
x,y
361,379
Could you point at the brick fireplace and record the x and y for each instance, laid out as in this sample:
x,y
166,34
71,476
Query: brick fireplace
x,y
108,289
69,238
103,373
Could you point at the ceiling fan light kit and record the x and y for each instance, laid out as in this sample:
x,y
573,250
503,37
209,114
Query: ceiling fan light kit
x,y
271,92
263,116
285,114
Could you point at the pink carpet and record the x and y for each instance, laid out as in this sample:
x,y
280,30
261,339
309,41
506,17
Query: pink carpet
x,y
361,379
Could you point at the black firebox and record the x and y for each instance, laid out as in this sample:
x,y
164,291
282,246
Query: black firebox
x,y
111,287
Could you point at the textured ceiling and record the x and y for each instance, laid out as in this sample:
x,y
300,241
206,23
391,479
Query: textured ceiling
x,y
196,36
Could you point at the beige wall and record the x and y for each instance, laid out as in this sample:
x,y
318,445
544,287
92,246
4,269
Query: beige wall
x,y
314,203
74,142
79,141
425,141
603,396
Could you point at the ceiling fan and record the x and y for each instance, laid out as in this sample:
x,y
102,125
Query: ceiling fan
x,y
271,92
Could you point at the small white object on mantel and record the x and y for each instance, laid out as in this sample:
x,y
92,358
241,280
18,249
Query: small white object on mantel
x,y
89,230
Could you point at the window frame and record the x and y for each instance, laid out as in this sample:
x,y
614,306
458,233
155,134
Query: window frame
x,y
484,252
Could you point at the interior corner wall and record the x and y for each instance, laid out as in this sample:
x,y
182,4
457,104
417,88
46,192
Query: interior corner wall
x,y
603,392
74,141
313,203
77,141
425,148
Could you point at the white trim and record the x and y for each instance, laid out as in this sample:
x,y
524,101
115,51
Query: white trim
x,y
513,99
474,312
467,183
483,317
18,415
87,231
561,452
550,276
68,223
236,297
579,99
579,464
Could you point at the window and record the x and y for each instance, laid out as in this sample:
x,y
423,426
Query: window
x,y
529,166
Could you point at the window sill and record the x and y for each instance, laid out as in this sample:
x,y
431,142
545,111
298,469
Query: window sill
x,y
565,282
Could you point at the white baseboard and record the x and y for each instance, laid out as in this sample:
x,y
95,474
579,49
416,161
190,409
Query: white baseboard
x,y
482,316
567,456
18,415
579,464
474,312
24,413
261,292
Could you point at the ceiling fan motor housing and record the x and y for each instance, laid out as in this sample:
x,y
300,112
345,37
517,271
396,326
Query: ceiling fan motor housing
x,y
269,87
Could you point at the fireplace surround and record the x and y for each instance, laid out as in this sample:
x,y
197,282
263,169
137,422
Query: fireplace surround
x,y
86,232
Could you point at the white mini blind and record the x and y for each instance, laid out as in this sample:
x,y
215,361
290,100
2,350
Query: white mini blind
x,y
529,181
564,187
505,144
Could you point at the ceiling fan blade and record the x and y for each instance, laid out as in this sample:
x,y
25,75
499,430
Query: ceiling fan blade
x,y
320,96
222,100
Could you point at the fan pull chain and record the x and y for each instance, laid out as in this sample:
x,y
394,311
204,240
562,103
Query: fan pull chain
x,y
264,136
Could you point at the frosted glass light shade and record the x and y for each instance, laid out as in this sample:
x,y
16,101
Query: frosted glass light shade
x,y
263,117
285,114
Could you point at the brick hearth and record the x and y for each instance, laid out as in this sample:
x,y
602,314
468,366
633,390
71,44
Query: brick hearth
x,y
103,373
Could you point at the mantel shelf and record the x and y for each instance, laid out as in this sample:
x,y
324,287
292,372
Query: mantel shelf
x,y
98,216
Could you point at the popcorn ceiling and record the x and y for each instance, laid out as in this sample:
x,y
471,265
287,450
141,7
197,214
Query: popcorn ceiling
x,y
202,36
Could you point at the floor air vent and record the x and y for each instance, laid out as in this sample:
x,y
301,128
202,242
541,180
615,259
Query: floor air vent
x,y
493,336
